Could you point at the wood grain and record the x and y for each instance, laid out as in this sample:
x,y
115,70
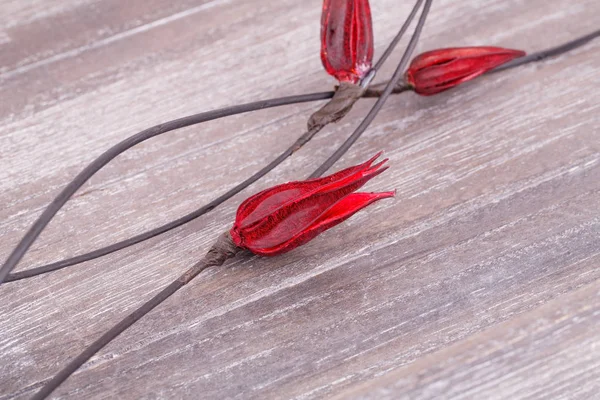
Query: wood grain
x,y
480,280
551,352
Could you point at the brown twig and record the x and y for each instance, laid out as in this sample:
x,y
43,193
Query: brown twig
x,y
216,256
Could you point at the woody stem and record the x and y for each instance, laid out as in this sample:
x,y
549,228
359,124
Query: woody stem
x,y
216,256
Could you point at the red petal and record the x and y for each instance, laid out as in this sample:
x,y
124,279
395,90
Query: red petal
x,y
436,79
435,71
295,216
351,178
336,214
264,203
346,39
440,56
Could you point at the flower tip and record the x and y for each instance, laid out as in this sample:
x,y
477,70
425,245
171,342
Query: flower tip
x,y
379,164
375,157
377,167
385,195
511,54
375,170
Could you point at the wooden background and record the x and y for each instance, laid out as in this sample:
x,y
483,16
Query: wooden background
x,y
480,280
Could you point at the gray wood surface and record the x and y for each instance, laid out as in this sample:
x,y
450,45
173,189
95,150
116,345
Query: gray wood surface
x,y
479,280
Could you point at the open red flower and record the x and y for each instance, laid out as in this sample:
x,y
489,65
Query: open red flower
x,y
438,70
346,39
286,216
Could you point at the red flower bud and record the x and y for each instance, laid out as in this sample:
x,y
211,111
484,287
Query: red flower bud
x,y
438,70
286,216
346,39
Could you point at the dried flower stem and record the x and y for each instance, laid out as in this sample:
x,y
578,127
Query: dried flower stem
x,y
398,36
216,256
377,90
554,51
119,148
28,273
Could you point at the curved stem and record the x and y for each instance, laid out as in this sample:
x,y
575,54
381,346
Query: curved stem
x,y
50,211
551,52
398,36
216,256
28,273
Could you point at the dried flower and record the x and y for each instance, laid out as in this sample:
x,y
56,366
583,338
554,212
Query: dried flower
x,y
438,70
286,216
346,39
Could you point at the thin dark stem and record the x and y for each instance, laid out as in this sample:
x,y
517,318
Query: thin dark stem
x,y
119,148
164,228
381,100
222,250
43,220
115,331
398,36
374,91
554,51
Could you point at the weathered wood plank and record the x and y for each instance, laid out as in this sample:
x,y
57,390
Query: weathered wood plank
x,y
496,214
551,351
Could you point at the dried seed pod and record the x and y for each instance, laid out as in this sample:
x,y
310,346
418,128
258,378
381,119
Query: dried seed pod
x,y
347,39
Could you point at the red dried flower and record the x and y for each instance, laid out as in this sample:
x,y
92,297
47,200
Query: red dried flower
x,y
346,39
286,216
438,70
